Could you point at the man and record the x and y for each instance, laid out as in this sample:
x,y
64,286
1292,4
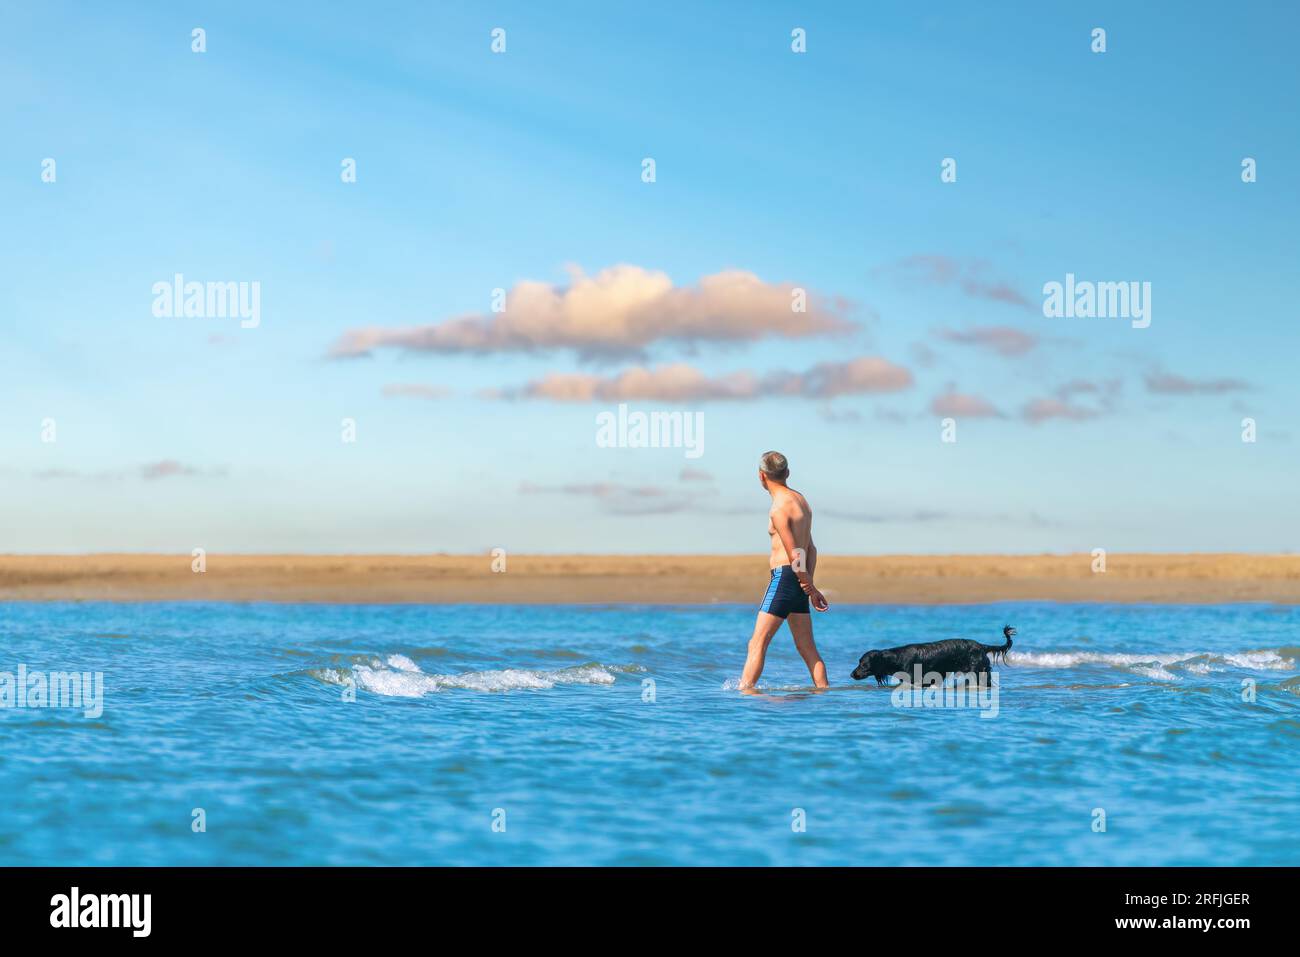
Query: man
x,y
793,561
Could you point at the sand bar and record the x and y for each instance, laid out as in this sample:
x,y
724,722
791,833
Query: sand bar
x,y
658,579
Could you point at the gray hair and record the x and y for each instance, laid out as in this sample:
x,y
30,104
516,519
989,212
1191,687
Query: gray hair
x,y
775,466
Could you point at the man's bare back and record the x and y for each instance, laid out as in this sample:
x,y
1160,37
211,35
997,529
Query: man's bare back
x,y
793,561
790,509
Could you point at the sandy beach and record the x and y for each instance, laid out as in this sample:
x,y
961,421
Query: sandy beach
x,y
659,579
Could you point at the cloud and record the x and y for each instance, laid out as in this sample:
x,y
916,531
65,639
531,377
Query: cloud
x,y
415,391
595,489
969,276
685,383
150,471
1062,406
838,416
618,312
920,516
931,516
695,475
1108,387
865,374
620,499
890,415
923,355
167,468
1004,340
1169,384
959,405
1040,410
829,413
671,383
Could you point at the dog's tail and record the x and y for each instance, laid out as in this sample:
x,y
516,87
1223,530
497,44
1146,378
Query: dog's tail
x,y
1000,651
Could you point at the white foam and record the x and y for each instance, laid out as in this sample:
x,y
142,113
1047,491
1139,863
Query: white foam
x,y
1156,666
1261,661
402,663
400,677
394,682
1154,672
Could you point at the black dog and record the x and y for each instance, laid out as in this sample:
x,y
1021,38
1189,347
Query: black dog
x,y
951,656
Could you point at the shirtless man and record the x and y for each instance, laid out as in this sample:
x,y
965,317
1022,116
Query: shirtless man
x,y
793,561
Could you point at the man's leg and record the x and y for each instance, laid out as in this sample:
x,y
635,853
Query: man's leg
x,y
764,628
801,628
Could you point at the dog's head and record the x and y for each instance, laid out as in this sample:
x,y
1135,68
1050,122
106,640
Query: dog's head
x,y
869,666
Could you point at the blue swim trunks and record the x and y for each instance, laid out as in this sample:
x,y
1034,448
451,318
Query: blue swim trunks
x,y
784,596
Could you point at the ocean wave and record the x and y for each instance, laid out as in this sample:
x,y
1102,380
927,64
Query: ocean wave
x,y
1157,667
397,676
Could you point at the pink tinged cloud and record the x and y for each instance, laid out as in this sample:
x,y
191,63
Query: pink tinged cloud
x,y
1170,384
1061,405
997,292
150,471
616,498
1040,410
923,355
671,383
967,276
594,489
1077,386
931,268
167,468
867,374
1004,340
415,391
616,313
958,405
684,383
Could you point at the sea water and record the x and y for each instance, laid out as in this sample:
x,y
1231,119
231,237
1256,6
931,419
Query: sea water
x,y
331,734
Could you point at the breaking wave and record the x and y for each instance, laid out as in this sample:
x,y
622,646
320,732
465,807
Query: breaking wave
x,y
397,676
1160,667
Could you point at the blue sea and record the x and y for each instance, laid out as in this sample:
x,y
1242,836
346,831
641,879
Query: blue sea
x,y
413,735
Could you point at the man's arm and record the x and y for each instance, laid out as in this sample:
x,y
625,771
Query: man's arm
x,y
812,591
785,531
803,569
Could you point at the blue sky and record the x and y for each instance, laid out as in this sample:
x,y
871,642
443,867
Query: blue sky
x,y
478,171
